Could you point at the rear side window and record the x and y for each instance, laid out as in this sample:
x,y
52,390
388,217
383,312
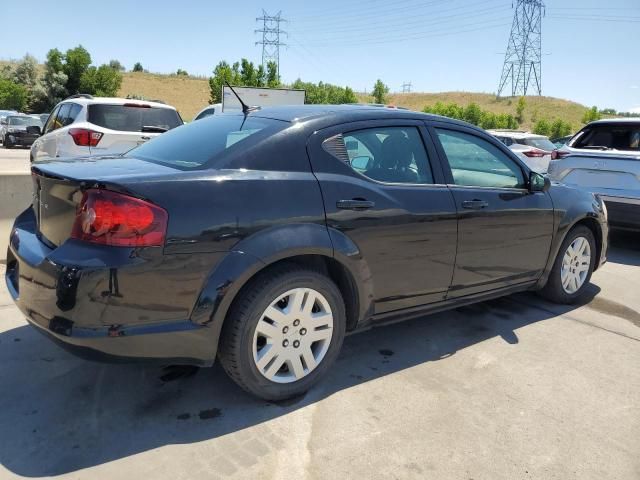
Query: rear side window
x,y
604,136
389,154
540,143
206,113
68,113
197,144
133,118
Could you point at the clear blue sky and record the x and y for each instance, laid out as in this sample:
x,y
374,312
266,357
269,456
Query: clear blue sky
x,y
591,48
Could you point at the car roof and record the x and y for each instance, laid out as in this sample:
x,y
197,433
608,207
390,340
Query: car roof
x,y
616,120
114,101
515,134
336,114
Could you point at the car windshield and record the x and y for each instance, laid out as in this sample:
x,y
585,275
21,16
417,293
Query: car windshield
x,y
605,136
542,143
197,144
24,121
133,117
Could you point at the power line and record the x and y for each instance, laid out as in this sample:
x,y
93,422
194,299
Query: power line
x,y
401,22
271,38
523,59
399,37
406,87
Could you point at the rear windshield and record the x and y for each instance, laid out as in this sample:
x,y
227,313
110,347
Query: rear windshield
x,y
541,143
196,144
28,121
133,118
604,136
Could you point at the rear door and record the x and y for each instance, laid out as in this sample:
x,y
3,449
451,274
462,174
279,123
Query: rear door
x,y
126,126
384,189
504,230
46,146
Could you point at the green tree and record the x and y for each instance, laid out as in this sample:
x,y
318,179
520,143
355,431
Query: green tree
x,y
559,128
591,115
608,111
116,65
13,96
182,73
542,127
102,81
273,79
53,88
137,67
325,93
26,74
76,63
522,104
380,91
221,74
473,113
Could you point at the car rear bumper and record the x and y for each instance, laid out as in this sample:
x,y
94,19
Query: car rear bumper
x,y
21,140
85,298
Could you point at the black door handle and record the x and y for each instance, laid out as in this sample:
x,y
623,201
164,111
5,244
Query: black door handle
x,y
355,204
475,204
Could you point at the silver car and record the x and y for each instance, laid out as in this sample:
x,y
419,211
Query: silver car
x,y
604,158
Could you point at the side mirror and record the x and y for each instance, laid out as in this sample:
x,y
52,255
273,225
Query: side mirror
x,y
539,182
3,122
34,130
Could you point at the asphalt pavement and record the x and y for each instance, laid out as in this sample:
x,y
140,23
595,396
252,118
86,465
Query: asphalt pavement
x,y
515,388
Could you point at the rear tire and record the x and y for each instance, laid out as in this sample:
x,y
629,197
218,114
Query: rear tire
x,y
271,345
572,268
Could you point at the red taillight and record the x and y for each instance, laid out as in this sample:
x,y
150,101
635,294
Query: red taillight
x,y
535,153
85,137
558,154
110,218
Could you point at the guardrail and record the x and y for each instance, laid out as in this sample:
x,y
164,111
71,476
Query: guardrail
x,y
15,195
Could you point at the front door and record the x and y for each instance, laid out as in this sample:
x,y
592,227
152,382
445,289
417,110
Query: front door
x,y
384,190
504,230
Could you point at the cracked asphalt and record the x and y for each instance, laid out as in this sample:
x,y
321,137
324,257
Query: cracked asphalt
x,y
515,388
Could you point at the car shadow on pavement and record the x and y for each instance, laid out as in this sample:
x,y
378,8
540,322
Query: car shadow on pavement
x,y
625,248
60,414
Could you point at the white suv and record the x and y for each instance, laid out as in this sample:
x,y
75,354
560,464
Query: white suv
x,y
534,150
82,125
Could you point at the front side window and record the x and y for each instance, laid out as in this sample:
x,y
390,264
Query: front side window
x,y
476,162
389,154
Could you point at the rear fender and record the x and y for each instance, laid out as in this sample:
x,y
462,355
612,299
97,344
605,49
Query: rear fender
x,y
266,247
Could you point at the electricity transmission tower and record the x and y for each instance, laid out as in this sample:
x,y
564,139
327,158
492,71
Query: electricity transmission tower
x,y
271,38
523,59
406,87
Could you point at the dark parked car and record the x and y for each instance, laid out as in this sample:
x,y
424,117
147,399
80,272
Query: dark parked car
x,y
18,131
262,239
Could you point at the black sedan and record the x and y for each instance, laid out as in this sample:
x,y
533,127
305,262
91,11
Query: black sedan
x,y
261,239
19,131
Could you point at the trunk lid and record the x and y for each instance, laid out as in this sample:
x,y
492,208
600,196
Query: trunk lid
x,y
58,187
114,142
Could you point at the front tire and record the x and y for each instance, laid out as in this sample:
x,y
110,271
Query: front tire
x,y
572,268
283,332
6,143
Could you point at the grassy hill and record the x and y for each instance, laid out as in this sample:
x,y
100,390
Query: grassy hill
x,y
537,107
190,94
